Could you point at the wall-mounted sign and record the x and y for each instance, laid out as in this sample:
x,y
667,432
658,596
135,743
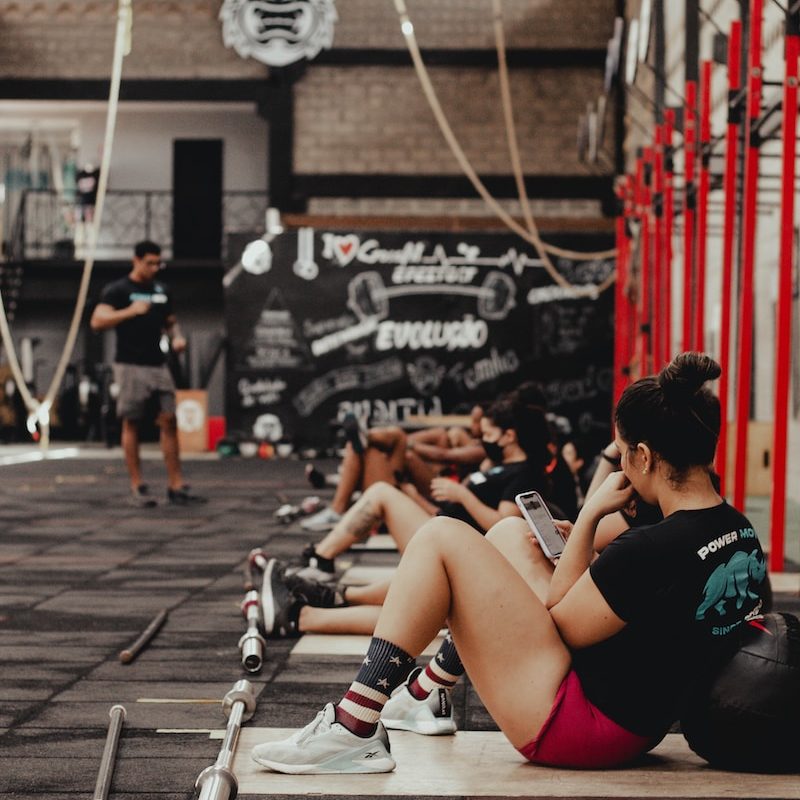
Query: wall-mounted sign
x,y
388,324
278,32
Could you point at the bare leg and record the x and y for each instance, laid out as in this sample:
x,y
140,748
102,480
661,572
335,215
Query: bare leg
x,y
349,479
380,503
373,594
169,449
512,537
356,620
385,456
130,447
422,472
450,573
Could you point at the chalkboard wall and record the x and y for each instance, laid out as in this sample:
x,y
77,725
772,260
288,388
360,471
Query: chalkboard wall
x,y
388,324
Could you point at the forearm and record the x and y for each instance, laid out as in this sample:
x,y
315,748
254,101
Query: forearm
x,y
577,556
608,463
484,515
104,319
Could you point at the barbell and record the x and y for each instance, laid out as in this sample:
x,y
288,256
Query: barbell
x,y
368,297
217,782
252,644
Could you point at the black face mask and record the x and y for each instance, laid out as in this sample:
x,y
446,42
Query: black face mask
x,y
493,451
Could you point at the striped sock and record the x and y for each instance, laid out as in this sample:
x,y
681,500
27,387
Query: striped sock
x,y
384,668
443,671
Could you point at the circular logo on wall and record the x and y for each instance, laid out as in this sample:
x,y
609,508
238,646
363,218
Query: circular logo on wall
x,y
190,416
268,428
278,32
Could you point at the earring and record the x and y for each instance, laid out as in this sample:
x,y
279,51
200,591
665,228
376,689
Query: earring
x,y
644,471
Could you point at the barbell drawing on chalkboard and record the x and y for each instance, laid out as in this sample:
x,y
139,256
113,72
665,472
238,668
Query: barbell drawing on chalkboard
x,y
367,296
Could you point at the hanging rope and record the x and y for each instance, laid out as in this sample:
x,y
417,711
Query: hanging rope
x,y
541,247
39,412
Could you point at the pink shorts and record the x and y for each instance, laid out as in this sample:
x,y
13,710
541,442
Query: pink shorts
x,y
577,734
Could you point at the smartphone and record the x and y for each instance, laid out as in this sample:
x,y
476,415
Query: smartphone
x,y
540,519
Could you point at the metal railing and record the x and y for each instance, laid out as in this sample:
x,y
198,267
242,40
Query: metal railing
x,y
50,225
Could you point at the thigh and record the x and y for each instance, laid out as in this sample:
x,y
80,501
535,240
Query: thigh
x,y
403,517
505,636
134,391
377,467
512,537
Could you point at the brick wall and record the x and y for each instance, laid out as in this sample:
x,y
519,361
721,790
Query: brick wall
x,y
377,120
75,39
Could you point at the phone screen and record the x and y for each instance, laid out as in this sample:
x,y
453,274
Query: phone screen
x,y
538,517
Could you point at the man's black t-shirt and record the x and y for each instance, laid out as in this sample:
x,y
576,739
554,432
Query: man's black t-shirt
x,y
503,482
684,587
138,339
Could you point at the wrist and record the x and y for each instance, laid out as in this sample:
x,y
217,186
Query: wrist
x,y
615,460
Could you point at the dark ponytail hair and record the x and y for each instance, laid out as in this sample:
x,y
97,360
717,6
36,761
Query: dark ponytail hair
x,y
674,412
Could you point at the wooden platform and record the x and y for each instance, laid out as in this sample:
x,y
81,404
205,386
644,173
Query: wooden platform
x,y
473,764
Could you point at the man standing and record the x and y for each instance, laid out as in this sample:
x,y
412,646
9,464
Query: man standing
x,y
139,307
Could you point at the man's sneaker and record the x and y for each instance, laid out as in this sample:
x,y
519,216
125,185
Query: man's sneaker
x,y
313,567
279,607
141,498
315,477
314,593
355,433
182,497
432,716
321,521
325,747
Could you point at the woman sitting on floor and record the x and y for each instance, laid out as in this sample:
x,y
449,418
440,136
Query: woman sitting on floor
x,y
587,665
515,437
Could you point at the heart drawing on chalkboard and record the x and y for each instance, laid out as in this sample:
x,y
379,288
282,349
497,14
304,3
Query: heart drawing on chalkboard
x,y
345,248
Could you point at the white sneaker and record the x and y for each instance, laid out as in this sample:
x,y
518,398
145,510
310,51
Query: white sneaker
x,y
432,716
323,747
321,521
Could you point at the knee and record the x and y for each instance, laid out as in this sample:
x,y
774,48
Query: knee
x,y
440,534
510,530
380,492
167,422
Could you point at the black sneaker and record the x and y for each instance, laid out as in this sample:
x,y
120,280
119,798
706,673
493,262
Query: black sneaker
x,y
182,497
279,607
315,477
314,593
314,567
141,497
354,433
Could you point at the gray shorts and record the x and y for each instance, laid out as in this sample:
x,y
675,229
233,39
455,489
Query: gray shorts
x,y
143,389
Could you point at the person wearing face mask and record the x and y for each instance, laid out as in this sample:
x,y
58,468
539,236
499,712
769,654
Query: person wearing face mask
x,y
515,437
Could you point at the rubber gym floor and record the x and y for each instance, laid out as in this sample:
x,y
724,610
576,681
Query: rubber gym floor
x,y
81,575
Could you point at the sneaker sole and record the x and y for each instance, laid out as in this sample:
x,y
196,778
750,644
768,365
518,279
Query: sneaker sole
x,y
444,728
267,599
378,765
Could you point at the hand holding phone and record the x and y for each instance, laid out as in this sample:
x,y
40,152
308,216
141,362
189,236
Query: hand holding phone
x,y
541,522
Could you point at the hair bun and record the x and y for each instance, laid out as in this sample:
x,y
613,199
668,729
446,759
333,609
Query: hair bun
x,y
686,375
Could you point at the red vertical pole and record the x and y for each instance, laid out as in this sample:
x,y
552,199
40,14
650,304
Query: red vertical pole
x,y
659,254
630,211
728,233
783,352
669,218
689,202
698,342
638,191
644,272
620,310
749,224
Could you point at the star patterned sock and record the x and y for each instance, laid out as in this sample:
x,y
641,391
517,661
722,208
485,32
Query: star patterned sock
x,y
443,672
384,668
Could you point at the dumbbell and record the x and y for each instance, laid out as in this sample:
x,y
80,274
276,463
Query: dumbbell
x,y
218,782
368,297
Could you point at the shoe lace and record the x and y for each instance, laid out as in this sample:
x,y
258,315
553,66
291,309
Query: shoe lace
x,y
318,725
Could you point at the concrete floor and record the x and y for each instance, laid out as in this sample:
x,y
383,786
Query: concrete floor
x,y
82,573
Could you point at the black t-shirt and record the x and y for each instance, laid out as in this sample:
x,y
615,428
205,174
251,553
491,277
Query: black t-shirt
x,y
491,487
560,489
138,339
684,586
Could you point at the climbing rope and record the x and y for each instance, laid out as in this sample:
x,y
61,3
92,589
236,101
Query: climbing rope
x,y
39,411
531,236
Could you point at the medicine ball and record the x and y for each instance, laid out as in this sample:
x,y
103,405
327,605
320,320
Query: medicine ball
x,y
749,718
